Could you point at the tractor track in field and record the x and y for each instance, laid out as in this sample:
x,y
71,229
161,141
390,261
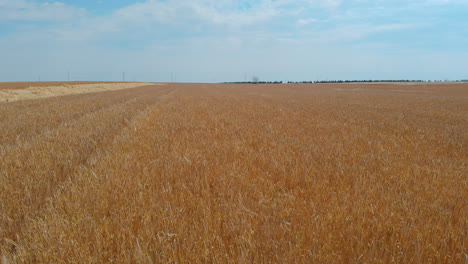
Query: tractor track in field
x,y
64,149
45,117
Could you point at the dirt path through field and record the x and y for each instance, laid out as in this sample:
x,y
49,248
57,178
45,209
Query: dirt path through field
x,y
36,92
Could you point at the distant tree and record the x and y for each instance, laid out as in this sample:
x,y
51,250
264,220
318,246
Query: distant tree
x,y
255,79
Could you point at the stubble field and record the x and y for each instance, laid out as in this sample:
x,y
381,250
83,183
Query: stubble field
x,y
230,173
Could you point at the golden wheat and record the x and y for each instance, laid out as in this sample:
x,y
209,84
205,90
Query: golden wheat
x,y
358,173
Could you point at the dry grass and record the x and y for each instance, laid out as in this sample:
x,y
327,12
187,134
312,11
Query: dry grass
x,y
237,174
25,85
10,92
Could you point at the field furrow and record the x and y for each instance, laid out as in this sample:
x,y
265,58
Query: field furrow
x,y
23,120
33,170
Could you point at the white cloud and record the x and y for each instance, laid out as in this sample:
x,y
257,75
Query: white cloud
x,y
208,40
21,10
186,16
354,32
225,13
306,21
328,3
238,18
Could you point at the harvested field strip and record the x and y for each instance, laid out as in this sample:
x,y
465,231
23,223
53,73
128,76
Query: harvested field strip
x,y
47,114
10,95
24,85
48,160
44,106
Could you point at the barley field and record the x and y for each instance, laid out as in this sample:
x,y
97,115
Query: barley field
x,y
237,173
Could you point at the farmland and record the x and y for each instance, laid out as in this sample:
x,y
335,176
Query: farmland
x,y
234,173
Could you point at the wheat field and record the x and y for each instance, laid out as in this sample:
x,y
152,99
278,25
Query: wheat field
x,y
237,173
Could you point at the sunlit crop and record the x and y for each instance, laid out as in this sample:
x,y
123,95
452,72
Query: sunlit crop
x,y
232,173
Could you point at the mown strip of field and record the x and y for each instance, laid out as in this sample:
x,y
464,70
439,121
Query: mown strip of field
x,y
11,92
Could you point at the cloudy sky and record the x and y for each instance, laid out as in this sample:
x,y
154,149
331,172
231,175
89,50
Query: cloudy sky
x,y
231,40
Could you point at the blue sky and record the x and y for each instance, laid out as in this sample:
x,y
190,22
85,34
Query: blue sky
x,y
226,40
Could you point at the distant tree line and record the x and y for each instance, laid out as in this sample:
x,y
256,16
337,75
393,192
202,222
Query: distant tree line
x,y
347,81
257,82
359,81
